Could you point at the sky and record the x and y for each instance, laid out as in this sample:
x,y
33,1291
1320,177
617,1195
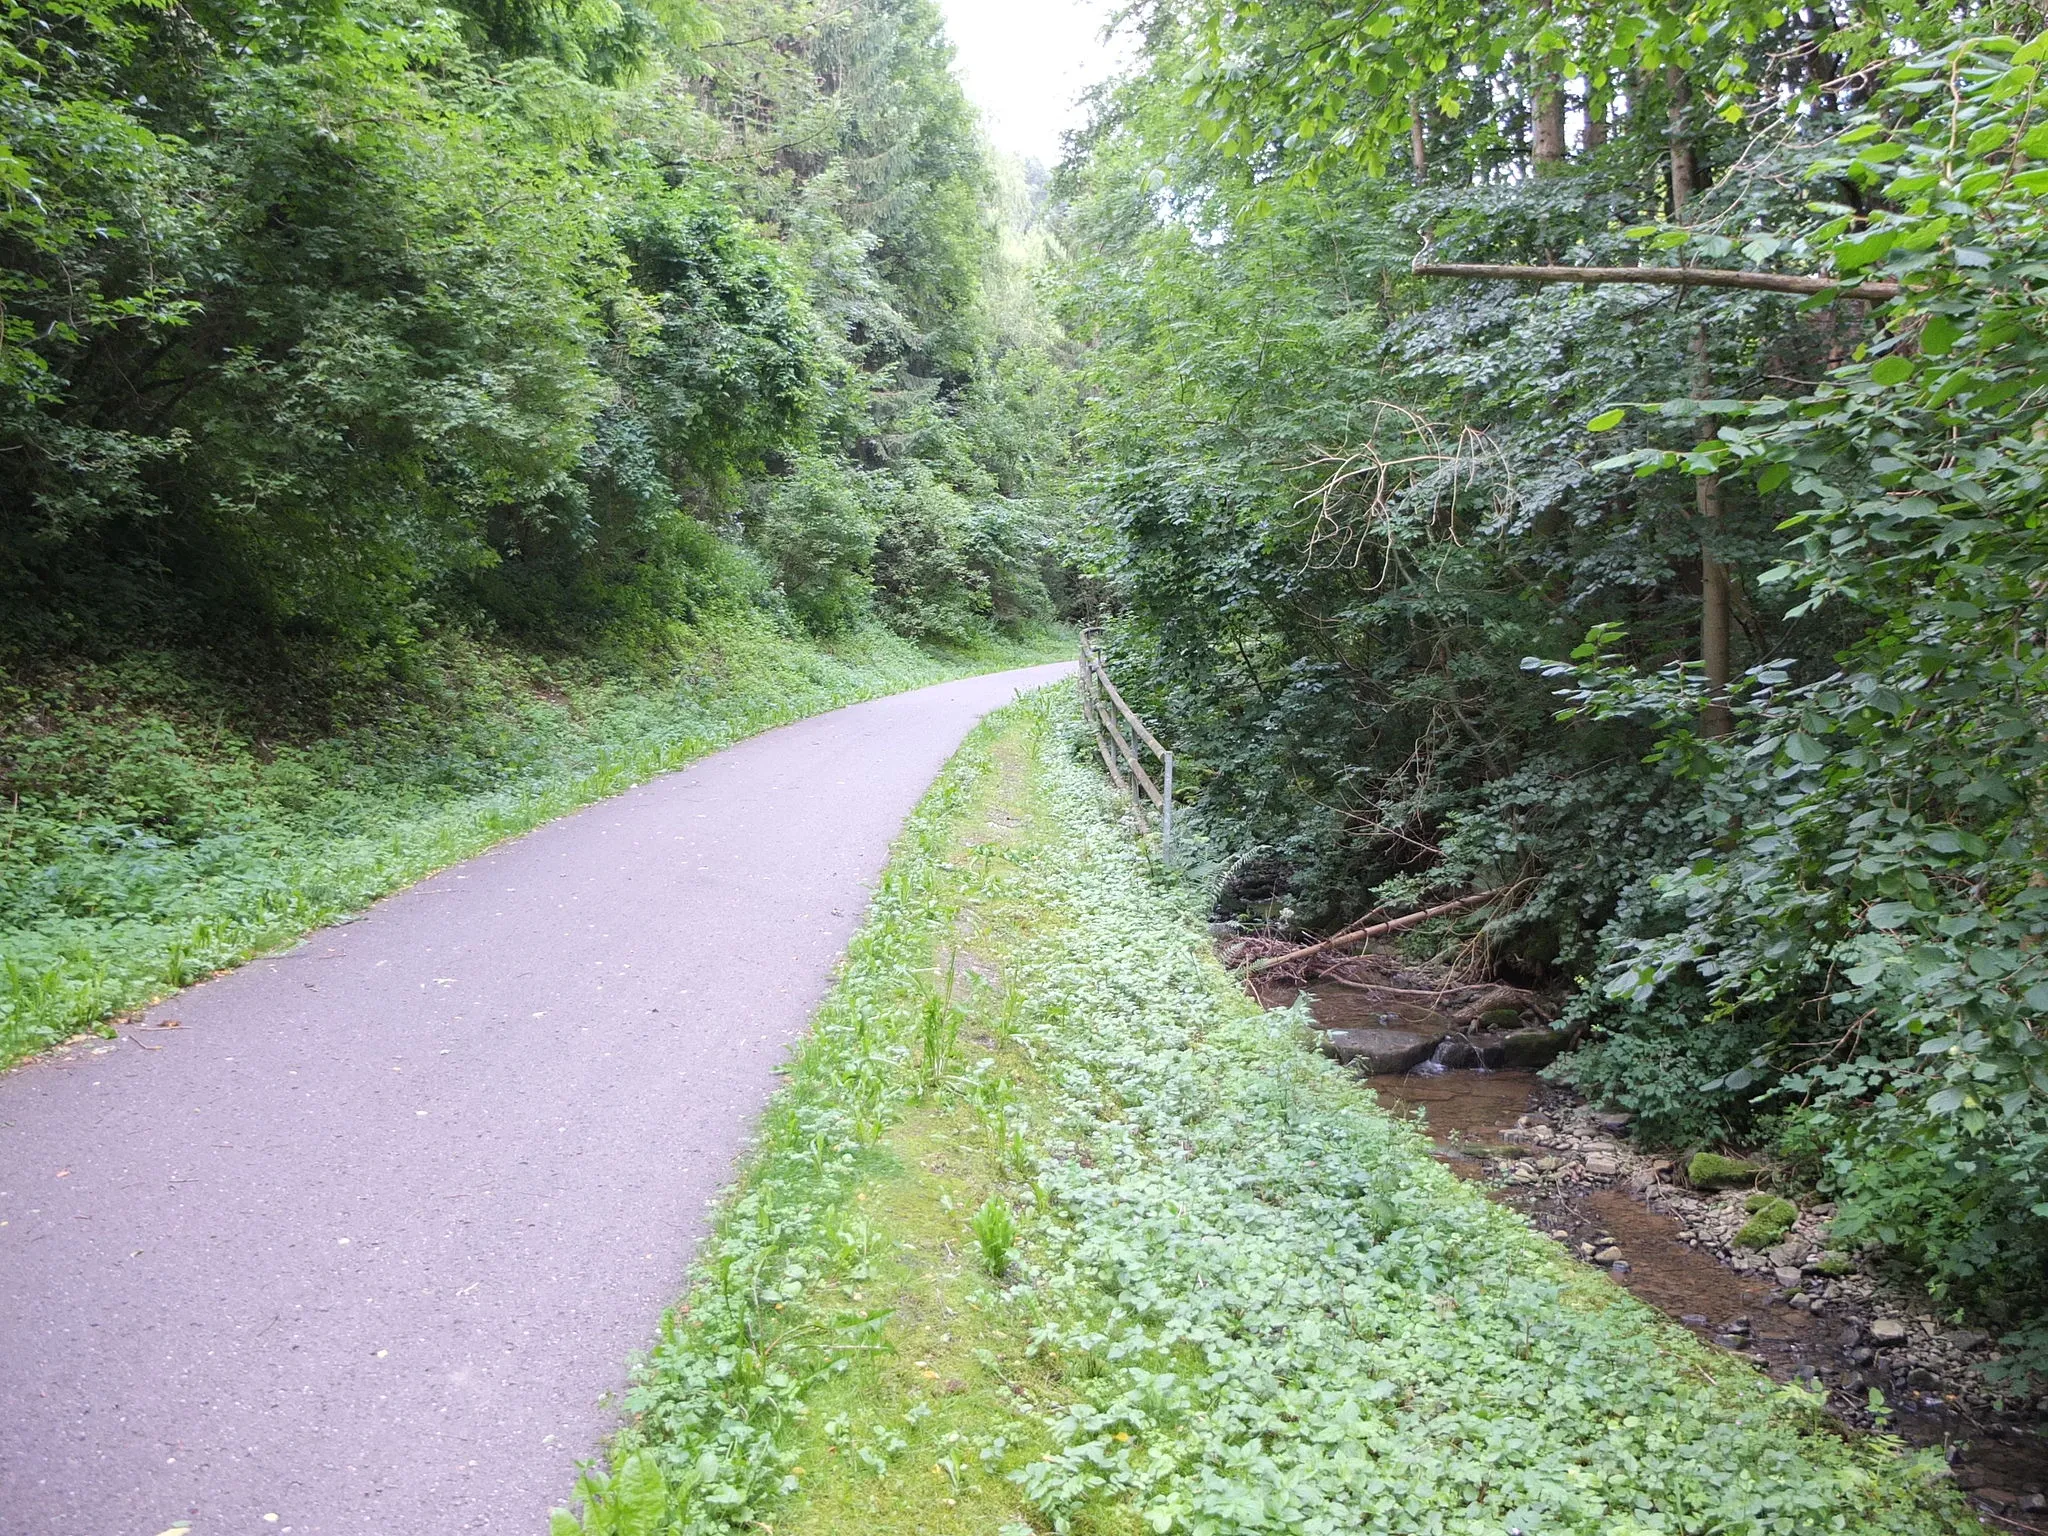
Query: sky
x,y
1024,64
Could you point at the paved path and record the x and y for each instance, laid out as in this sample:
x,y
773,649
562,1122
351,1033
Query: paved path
x,y
364,1244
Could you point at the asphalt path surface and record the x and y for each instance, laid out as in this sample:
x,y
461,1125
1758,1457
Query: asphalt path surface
x,y
365,1243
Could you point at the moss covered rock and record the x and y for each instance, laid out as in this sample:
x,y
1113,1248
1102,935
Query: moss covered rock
x,y
1710,1170
1770,1219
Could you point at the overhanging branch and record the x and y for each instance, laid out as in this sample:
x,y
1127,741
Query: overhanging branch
x,y
1668,277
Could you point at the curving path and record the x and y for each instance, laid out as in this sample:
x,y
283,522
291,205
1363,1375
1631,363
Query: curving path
x,y
364,1244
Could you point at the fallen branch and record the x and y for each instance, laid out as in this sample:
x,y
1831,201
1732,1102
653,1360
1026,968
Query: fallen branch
x,y
1666,277
1397,925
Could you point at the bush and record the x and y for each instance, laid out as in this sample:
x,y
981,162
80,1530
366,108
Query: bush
x,y
817,532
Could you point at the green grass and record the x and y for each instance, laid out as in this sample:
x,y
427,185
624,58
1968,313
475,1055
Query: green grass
x,y
154,828
1239,1297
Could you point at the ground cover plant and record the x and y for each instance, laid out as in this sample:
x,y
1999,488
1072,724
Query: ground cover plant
x,y
1237,1296
147,841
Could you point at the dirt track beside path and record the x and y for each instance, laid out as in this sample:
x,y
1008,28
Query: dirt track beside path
x,y
364,1243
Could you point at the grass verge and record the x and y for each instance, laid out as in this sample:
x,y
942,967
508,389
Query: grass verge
x,y
1237,1297
151,833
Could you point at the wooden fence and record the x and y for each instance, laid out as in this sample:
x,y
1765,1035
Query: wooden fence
x,y
1110,715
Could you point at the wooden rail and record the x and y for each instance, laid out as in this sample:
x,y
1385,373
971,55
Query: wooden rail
x,y
1118,735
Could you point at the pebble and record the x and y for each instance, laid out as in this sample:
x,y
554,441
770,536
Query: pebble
x,y
1787,1277
1887,1330
1606,1255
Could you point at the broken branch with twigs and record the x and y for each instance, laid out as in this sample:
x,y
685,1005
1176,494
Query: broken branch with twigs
x,y
1356,935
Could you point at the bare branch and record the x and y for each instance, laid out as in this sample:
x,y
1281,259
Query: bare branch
x,y
1669,277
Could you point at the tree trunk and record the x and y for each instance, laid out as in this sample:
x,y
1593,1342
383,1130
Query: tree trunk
x,y
1548,129
1418,144
1680,92
1596,125
1714,719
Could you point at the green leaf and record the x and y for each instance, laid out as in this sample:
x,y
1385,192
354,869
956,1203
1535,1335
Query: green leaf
x,y
640,1495
1892,369
1802,748
1607,421
1855,254
1938,335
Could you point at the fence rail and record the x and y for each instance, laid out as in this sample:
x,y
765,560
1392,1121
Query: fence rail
x,y
1109,715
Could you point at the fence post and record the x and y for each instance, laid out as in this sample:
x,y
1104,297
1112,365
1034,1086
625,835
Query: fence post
x,y
1166,813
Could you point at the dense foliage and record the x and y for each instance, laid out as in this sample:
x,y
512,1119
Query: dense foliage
x,y
329,326
1790,861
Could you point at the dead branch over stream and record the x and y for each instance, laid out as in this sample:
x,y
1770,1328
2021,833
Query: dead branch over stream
x,y
1358,935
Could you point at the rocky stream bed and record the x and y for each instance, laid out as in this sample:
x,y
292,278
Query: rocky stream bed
x,y
1795,1308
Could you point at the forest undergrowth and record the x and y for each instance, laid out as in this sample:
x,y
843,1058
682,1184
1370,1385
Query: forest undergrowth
x,y
1052,1227
154,832
1694,600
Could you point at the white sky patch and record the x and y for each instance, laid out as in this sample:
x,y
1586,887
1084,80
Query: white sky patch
x,y
1025,64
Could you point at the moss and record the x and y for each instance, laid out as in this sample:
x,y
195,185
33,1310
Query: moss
x,y
1772,1218
1710,1170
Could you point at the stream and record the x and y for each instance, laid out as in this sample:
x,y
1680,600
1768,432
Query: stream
x,y
1473,1117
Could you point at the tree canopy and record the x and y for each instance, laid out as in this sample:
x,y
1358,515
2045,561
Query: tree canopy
x,y
327,325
